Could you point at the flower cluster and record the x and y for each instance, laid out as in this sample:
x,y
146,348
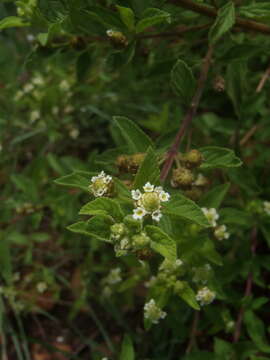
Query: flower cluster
x,y
113,278
149,202
221,233
212,216
205,296
201,274
266,205
153,313
100,184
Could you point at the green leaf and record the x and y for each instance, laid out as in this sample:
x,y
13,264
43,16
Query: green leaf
x,y
223,349
161,242
182,207
97,227
256,330
78,179
218,157
189,296
83,65
148,171
209,252
103,206
183,81
224,22
152,16
235,216
127,351
127,16
134,137
12,21
256,10
120,58
214,197
236,77
5,258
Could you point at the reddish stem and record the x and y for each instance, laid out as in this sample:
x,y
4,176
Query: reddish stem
x,y
248,289
189,115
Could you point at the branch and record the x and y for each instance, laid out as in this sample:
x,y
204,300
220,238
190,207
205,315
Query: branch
x,y
211,12
263,80
189,115
248,290
193,332
176,33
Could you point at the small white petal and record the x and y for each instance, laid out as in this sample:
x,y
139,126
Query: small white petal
x,y
136,194
138,213
156,215
164,196
148,187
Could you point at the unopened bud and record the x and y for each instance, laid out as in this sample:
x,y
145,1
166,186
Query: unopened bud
x,y
192,159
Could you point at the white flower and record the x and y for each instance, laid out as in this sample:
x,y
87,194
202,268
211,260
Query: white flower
x,y
200,180
28,88
170,266
138,213
159,189
153,313
114,276
110,32
205,296
156,215
34,115
42,287
100,184
38,80
30,37
148,187
221,233
151,282
164,196
266,205
60,339
74,133
211,215
136,194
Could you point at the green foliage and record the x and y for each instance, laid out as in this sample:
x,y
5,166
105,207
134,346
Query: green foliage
x,y
186,252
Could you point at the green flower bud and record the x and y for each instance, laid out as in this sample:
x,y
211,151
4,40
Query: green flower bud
x,y
134,226
192,159
118,230
178,287
141,240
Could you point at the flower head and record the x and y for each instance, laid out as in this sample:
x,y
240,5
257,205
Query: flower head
x,y
149,202
153,313
266,205
114,276
205,296
100,184
211,215
221,233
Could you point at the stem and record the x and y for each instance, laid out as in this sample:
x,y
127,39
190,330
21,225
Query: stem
x,y
193,332
211,12
263,80
189,115
248,289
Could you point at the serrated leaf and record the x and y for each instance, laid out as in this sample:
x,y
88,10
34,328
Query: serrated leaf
x,y
103,206
152,16
214,197
134,137
256,330
209,252
224,22
127,350
77,179
12,21
218,157
161,242
183,81
97,227
148,170
182,207
127,16
189,296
